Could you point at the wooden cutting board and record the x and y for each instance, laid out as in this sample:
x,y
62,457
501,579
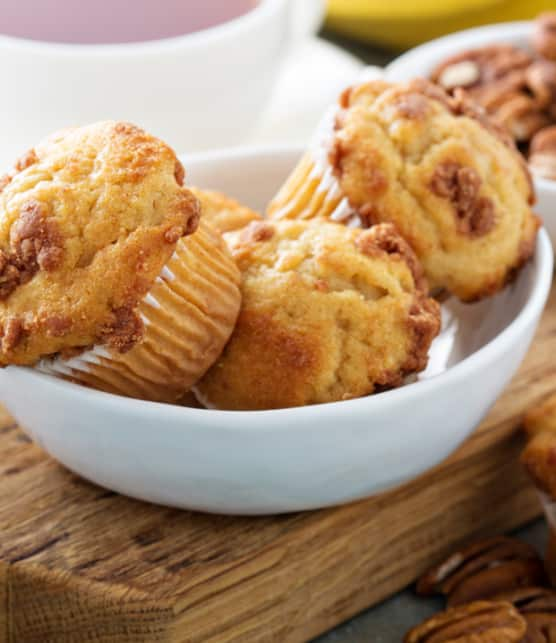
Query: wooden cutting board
x,y
79,563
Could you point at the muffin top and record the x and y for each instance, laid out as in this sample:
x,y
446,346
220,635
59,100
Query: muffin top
x,y
451,181
88,219
224,213
328,313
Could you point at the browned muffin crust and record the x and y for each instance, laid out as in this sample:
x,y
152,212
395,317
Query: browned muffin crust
x,y
328,313
396,146
88,219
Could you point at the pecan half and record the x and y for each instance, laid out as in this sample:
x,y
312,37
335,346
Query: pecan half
x,y
483,570
522,116
481,621
459,74
540,616
499,91
542,153
537,605
541,80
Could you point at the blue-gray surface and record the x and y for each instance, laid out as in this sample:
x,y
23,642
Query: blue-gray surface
x,y
388,622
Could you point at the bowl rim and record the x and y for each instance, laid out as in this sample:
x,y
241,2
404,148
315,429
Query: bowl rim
x,y
232,29
497,32
462,40
541,264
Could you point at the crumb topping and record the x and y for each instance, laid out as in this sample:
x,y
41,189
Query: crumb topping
x,y
461,186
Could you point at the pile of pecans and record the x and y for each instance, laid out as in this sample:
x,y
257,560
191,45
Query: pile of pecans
x,y
516,87
496,591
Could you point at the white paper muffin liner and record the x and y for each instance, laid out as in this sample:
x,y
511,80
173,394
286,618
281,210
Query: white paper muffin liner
x,y
312,190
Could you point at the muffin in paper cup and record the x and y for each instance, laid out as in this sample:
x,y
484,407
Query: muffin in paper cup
x,y
107,277
328,314
188,316
450,180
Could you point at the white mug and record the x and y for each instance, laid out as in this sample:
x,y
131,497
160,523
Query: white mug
x,y
197,91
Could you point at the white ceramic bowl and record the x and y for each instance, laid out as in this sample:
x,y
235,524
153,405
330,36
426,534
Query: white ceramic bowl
x,y
290,459
421,60
199,91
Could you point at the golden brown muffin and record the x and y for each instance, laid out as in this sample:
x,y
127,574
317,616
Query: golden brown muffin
x,y
476,622
224,213
100,269
452,182
328,313
82,238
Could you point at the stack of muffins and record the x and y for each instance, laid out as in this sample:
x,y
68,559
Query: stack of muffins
x,y
116,276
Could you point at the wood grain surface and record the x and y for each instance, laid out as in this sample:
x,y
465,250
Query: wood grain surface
x,y
81,564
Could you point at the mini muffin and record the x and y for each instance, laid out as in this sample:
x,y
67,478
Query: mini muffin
x,y
222,212
101,277
452,182
328,313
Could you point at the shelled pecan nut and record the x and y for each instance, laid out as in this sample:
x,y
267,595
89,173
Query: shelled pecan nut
x,y
540,616
522,116
542,154
481,621
528,598
540,78
494,94
483,570
541,628
544,35
537,605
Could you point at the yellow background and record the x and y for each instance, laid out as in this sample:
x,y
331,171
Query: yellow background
x,y
404,23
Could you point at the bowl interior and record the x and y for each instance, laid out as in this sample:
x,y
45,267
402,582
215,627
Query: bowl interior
x,y
253,176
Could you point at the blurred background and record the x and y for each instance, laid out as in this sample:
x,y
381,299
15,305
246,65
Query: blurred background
x,y
378,29
264,75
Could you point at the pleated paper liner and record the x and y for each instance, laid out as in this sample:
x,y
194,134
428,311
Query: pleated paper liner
x,y
312,190
189,315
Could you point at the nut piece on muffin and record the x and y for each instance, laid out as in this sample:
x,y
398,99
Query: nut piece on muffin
x,y
451,181
100,270
328,313
222,212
